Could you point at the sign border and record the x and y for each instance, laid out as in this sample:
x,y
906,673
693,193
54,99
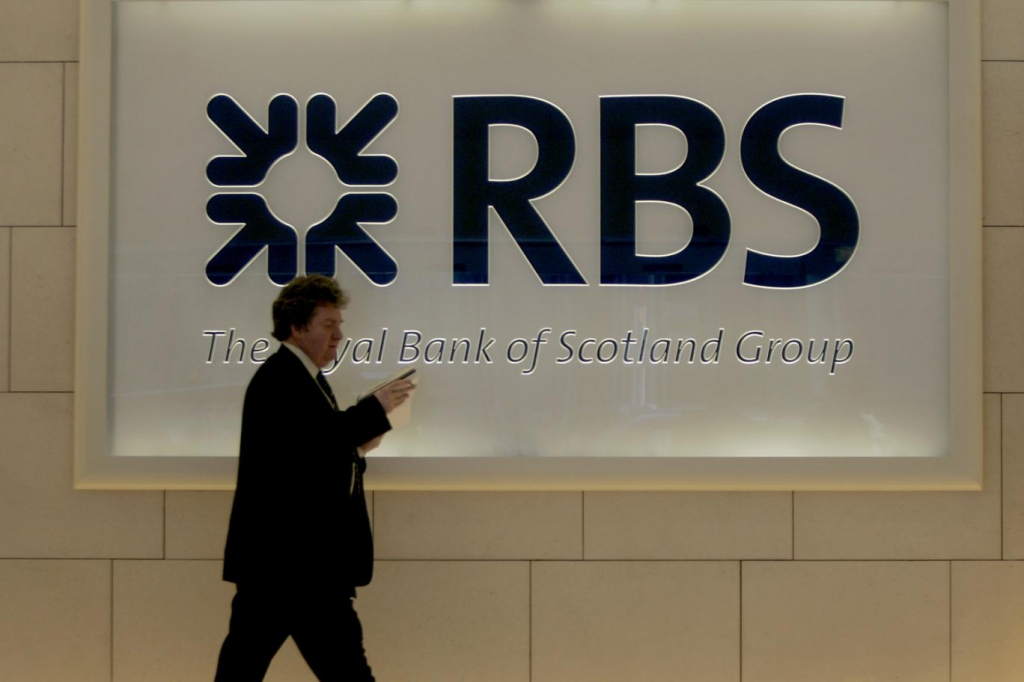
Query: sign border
x,y
961,469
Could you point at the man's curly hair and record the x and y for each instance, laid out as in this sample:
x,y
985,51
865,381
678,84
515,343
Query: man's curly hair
x,y
297,303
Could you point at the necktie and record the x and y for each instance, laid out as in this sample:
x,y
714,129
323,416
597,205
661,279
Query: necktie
x,y
357,471
326,387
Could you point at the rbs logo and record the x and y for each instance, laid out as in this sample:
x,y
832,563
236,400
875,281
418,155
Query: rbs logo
x,y
261,149
474,193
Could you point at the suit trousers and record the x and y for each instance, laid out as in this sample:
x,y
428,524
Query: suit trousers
x,y
323,624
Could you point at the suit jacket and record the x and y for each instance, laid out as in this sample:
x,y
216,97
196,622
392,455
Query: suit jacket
x,y
291,516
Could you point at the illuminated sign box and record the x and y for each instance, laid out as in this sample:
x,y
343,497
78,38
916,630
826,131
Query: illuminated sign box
x,y
670,244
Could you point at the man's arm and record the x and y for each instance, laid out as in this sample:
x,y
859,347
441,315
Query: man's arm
x,y
367,420
361,423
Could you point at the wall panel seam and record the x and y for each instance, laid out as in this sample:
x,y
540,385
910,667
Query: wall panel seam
x,y
583,524
111,620
709,559
41,392
950,652
106,558
63,134
10,305
74,558
792,526
741,619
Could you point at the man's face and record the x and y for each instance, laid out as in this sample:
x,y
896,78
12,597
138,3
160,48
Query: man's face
x,y
320,338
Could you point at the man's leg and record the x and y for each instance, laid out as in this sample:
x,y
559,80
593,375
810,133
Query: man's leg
x,y
257,630
330,638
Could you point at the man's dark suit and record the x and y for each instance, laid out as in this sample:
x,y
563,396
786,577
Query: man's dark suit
x,y
287,547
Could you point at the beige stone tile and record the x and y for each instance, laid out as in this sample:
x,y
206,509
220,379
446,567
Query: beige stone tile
x,y
70,144
1013,477
1003,146
170,618
1003,286
41,30
43,309
814,621
988,630
287,666
1002,25
54,621
478,525
633,620
41,516
906,525
31,142
5,309
688,525
197,523
448,621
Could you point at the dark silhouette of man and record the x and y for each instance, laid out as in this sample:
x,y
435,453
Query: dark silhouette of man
x,y
293,547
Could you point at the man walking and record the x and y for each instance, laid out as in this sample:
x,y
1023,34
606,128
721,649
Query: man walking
x,y
298,543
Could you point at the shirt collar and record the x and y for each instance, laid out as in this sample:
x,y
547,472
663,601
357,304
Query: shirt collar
x,y
301,355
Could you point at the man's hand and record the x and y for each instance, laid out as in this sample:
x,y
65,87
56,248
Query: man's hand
x,y
394,394
370,445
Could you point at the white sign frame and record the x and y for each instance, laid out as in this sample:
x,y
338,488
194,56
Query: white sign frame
x,y
960,469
